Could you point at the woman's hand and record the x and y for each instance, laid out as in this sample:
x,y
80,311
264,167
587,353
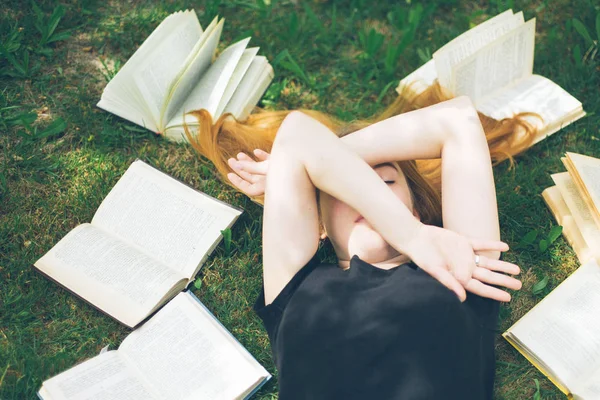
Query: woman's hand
x,y
484,276
450,258
249,175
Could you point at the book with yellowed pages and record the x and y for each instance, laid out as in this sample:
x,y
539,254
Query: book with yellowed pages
x,y
492,63
560,336
574,203
555,202
585,172
146,242
182,352
173,73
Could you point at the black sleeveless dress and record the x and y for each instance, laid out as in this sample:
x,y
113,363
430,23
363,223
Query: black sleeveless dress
x,y
370,333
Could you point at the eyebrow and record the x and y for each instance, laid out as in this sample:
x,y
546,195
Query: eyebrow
x,y
385,164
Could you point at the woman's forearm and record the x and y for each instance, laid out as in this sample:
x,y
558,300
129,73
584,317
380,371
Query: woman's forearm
x,y
414,135
339,171
450,130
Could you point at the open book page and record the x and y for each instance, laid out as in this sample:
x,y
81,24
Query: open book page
x,y
238,74
185,353
166,219
472,41
117,278
488,24
127,111
105,376
556,204
585,172
419,80
538,95
250,90
562,330
497,65
579,209
563,216
247,94
158,70
424,76
573,235
590,390
120,96
535,361
208,92
197,65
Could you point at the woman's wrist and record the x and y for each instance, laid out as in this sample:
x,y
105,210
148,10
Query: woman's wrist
x,y
408,233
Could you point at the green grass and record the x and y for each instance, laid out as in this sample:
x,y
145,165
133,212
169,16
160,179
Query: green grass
x,y
60,155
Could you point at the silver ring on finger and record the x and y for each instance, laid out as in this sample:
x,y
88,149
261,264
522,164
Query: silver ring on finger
x,y
477,260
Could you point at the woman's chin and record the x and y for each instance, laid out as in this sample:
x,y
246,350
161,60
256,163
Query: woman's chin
x,y
368,244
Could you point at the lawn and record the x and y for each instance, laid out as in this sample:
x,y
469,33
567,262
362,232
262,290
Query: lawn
x,y
60,155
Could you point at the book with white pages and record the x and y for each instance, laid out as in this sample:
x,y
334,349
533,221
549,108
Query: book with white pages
x,y
146,243
182,353
560,334
175,71
492,63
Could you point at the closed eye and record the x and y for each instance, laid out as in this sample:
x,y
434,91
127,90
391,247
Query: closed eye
x,y
390,182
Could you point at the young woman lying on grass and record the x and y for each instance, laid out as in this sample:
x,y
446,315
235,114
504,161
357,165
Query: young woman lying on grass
x,y
409,311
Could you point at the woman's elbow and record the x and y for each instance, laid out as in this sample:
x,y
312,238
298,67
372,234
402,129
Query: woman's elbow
x,y
466,120
293,123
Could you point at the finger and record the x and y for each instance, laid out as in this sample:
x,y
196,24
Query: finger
x,y
253,167
497,279
261,154
446,279
244,157
236,180
487,244
240,168
242,184
462,274
462,266
483,290
498,265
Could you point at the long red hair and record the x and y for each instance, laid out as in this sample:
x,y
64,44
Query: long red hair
x,y
226,137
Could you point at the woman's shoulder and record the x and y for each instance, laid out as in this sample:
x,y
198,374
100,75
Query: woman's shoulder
x,y
288,290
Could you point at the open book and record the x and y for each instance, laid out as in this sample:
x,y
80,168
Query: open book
x,y
173,73
575,200
585,171
182,352
560,334
564,217
146,242
492,63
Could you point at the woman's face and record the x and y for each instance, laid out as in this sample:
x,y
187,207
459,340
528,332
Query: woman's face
x,y
351,234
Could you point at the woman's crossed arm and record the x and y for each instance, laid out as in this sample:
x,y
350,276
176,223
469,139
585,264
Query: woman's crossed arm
x,y
306,155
